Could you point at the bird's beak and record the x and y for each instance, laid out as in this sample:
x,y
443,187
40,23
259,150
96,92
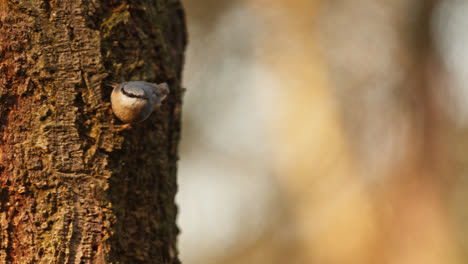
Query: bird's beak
x,y
112,84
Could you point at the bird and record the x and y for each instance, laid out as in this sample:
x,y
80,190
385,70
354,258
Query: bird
x,y
134,101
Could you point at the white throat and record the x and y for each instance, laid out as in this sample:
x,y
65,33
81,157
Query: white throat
x,y
131,101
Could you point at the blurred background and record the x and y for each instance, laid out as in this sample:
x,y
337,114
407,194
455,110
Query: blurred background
x,y
325,131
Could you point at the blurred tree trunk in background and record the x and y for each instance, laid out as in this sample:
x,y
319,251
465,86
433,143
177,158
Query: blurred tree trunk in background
x,y
73,188
359,135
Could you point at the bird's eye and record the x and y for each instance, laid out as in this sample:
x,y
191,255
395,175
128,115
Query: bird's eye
x,y
132,95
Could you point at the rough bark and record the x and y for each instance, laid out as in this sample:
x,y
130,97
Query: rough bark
x,y
73,187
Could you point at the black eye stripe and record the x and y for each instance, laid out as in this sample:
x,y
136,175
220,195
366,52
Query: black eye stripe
x,y
133,95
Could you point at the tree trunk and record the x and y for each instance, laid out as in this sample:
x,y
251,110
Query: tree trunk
x,y
74,187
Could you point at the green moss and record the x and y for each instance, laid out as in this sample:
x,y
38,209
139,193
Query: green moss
x,y
121,15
